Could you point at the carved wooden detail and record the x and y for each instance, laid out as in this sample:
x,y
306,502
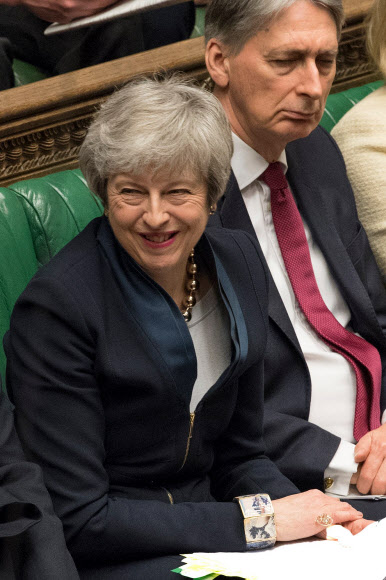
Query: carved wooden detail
x,y
354,67
42,125
36,151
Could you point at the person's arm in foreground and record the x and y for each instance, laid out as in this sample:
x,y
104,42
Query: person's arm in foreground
x,y
32,532
62,11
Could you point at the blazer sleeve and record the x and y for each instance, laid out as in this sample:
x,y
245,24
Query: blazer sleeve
x,y
31,534
241,466
61,422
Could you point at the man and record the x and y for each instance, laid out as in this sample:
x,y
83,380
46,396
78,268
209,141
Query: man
x,y
22,23
273,64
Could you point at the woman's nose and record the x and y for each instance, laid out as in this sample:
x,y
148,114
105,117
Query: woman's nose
x,y
155,214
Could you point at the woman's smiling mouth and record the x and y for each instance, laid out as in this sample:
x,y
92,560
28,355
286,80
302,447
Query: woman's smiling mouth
x,y
159,240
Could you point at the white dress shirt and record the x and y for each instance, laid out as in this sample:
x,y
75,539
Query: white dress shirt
x,y
332,377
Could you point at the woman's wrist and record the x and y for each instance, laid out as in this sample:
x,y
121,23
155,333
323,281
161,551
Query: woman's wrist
x,y
259,520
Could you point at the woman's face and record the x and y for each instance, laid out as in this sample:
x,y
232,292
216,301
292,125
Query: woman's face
x,y
157,218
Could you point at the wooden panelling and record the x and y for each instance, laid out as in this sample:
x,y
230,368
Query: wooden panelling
x,y
42,125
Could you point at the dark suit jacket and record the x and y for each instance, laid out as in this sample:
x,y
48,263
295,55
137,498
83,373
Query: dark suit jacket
x,y
32,545
317,175
101,368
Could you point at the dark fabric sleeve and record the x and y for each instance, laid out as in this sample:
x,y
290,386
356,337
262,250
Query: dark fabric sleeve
x,y
31,534
61,422
241,468
300,449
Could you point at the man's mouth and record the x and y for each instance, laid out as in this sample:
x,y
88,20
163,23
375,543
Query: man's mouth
x,y
301,114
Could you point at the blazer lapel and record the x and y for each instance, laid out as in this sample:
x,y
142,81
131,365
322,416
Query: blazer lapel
x,y
234,215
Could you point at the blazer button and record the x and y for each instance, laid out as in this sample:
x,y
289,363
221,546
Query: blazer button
x,y
328,482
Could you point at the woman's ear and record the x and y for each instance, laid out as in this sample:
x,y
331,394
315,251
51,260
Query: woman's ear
x,y
217,63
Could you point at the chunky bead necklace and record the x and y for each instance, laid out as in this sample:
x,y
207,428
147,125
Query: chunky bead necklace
x,y
191,287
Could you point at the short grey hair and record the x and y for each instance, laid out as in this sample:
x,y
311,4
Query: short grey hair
x,y
234,22
154,124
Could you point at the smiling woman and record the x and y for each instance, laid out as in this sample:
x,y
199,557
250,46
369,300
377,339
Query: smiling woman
x,y
138,342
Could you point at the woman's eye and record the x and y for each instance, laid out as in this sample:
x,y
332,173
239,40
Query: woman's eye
x,y
130,191
180,191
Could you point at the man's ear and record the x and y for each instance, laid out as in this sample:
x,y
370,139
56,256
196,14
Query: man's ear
x,y
217,63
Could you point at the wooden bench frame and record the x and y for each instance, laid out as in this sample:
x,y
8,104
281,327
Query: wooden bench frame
x,y
42,125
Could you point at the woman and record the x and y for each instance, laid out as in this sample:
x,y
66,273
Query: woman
x,y
32,545
361,136
143,408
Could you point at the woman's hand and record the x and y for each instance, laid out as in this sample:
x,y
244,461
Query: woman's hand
x,y
296,515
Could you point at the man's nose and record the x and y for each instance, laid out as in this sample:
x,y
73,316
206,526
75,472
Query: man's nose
x,y
310,82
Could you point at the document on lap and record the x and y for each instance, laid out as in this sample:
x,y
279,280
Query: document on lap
x,y
117,10
359,557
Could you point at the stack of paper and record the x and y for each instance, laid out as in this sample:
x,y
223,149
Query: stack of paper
x,y
360,557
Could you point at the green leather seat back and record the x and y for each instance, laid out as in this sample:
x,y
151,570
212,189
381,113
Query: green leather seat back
x,y
57,208
17,259
26,73
339,103
37,218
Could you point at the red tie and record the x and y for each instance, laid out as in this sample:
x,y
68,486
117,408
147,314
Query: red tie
x,y
296,255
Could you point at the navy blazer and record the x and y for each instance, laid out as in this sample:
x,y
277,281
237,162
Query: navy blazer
x,y
101,368
317,175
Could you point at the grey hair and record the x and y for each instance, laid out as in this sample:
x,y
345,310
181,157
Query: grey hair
x,y
154,124
234,22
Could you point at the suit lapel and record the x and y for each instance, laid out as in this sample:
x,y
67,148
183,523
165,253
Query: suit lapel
x,y
234,215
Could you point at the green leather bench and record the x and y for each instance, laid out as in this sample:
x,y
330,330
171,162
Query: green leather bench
x,y
39,216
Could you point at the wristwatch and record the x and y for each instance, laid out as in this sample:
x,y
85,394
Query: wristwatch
x,y
259,520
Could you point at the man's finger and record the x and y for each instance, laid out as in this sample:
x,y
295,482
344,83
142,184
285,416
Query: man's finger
x,y
369,471
363,448
379,484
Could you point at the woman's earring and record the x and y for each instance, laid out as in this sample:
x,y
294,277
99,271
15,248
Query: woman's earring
x,y
212,209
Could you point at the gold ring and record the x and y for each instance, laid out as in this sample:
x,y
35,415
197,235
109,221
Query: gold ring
x,y
324,520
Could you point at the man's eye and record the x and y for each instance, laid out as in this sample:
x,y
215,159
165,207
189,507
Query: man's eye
x,y
284,62
130,191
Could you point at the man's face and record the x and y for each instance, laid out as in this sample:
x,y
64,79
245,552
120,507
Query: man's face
x,y
279,82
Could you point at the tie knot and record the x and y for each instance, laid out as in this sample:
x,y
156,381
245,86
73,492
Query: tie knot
x,y
274,176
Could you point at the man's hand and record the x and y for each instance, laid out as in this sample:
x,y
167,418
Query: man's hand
x,y
62,11
370,453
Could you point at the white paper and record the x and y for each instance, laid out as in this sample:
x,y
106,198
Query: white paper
x,y
119,9
360,557
354,494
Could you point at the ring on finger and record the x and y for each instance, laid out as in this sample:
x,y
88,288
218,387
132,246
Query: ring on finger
x,y
324,520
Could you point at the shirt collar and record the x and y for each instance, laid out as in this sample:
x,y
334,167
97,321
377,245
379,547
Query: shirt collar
x,y
248,165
